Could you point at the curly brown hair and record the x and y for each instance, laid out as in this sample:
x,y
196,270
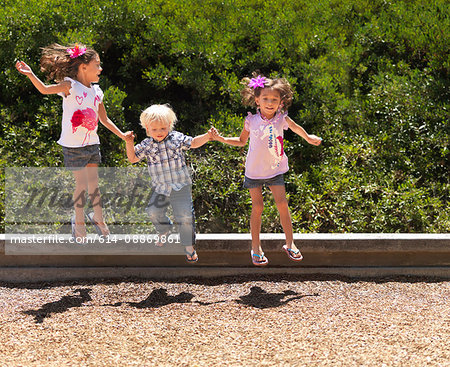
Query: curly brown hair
x,y
57,63
279,84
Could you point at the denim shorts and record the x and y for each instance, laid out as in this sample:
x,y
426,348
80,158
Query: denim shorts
x,y
251,183
78,158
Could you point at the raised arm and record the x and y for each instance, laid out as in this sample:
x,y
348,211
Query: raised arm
x,y
311,139
63,87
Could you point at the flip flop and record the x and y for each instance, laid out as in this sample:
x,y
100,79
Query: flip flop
x,y
74,230
72,223
263,260
191,255
293,254
96,226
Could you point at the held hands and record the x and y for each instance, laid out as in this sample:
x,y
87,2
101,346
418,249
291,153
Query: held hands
x,y
128,137
213,134
23,68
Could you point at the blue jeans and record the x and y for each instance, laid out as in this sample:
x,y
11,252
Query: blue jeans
x,y
183,212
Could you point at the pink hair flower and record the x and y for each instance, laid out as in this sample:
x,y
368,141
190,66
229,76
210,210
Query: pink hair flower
x,y
257,82
76,51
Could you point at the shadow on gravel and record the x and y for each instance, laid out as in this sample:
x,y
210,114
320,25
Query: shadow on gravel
x,y
259,298
64,304
158,298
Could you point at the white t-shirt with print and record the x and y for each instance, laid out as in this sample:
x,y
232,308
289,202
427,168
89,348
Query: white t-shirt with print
x,y
80,115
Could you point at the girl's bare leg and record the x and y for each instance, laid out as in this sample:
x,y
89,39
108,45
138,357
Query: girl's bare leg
x,y
79,200
279,195
95,198
255,218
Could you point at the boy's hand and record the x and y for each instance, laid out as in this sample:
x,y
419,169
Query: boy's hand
x,y
314,140
23,68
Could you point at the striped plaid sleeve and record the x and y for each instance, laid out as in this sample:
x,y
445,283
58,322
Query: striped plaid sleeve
x,y
184,141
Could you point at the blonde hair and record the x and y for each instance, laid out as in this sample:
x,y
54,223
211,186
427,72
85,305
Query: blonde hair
x,y
281,85
162,113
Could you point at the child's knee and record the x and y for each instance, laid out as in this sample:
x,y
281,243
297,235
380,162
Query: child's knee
x,y
81,187
283,206
153,212
258,207
157,207
185,217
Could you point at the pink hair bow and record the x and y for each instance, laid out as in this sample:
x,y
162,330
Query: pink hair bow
x,y
257,82
76,51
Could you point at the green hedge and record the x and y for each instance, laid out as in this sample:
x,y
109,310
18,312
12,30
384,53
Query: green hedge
x,y
370,77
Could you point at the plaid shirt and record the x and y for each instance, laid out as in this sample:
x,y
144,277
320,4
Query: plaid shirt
x,y
166,161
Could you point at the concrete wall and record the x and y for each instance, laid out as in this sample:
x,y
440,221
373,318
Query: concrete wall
x,y
401,253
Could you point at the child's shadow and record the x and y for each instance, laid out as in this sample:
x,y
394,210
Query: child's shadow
x,y
60,306
259,298
159,298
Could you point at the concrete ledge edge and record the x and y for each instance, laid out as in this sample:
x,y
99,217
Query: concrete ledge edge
x,y
58,274
314,236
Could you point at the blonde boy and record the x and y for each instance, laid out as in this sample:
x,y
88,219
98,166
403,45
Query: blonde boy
x,y
164,150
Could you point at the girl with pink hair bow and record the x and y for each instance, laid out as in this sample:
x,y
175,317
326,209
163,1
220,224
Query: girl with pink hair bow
x,y
266,160
75,69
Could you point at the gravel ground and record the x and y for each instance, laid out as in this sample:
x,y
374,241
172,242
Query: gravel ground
x,y
240,321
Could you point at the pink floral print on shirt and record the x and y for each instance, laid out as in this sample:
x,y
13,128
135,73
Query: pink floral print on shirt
x,y
85,118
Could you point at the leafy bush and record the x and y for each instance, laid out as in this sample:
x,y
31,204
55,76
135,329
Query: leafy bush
x,y
370,77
